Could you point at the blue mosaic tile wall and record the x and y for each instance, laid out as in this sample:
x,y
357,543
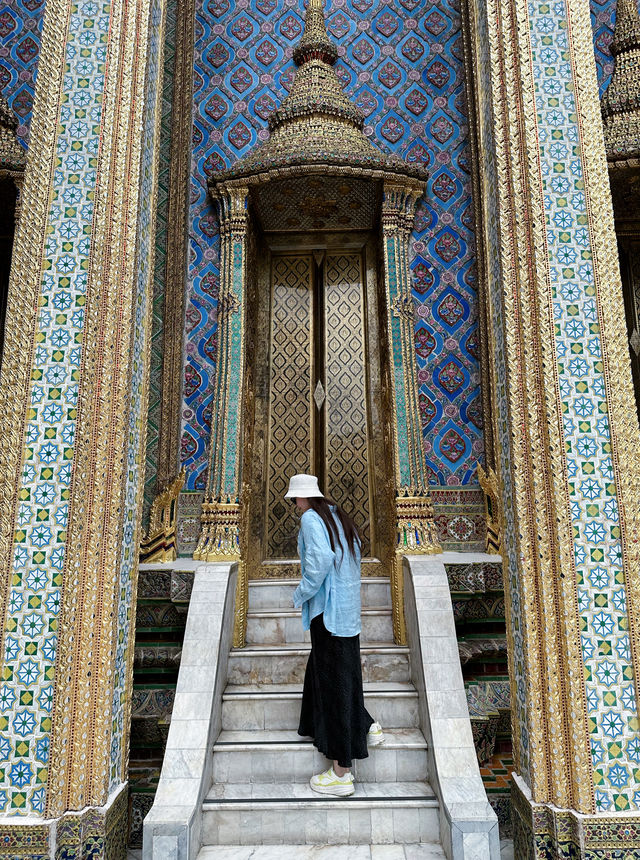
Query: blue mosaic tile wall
x,y
20,32
26,693
402,63
611,699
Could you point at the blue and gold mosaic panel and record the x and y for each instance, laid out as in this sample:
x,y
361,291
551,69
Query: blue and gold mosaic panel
x,y
602,600
402,64
27,688
20,32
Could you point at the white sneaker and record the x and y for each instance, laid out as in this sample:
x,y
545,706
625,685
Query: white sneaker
x,y
375,735
329,783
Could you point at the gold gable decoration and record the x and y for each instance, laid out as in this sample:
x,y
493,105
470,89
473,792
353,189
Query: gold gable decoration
x,y
160,542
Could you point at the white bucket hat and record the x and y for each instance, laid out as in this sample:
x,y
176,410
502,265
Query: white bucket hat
x,y
303,487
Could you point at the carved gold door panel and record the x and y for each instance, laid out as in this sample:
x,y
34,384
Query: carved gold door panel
x,y
313,402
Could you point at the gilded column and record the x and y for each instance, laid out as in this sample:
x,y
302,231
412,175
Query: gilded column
x,y
73,386
416,528
220,535
567,444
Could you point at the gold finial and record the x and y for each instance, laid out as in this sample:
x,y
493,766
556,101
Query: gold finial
x,y
315,43
621,101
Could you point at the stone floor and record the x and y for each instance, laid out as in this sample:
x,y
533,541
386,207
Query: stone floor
x,y
375,852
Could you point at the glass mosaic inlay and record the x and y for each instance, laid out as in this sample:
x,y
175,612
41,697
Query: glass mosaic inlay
x,y
611,701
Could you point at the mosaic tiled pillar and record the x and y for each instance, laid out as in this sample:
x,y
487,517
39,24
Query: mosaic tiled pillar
x,y
73,385
416,528
567,446
220,535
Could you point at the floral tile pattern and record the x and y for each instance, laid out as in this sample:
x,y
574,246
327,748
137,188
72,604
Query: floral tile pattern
x,y
611,700
26,691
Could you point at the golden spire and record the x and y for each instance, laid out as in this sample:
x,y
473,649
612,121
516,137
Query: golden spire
x,y
12,155
315,43
621,101
316,123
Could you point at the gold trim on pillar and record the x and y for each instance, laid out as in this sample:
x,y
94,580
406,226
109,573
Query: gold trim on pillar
x,y
492,509
177,244
79,774
415,525
220,534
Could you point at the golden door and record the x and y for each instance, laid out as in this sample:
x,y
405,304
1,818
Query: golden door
x,y
321,414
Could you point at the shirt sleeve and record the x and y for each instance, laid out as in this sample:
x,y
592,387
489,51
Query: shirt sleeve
x,y
318,559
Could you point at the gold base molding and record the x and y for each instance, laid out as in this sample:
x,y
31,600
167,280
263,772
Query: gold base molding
x,y
96,832
417,532
417,535
541,830
220,532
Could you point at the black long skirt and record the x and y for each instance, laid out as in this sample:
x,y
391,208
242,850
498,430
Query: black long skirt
x,y
333,711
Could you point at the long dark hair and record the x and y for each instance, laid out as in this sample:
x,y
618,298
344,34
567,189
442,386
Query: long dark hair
x,y
322,507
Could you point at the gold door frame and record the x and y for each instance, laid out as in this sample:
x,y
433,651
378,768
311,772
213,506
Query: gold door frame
x,y
257,406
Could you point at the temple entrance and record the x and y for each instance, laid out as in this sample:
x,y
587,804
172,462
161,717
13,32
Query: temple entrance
x,y
317,399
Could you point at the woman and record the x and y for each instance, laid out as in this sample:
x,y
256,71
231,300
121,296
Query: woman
x,y
333,711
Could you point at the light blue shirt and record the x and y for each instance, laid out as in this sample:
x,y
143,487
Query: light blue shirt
x,y
330,583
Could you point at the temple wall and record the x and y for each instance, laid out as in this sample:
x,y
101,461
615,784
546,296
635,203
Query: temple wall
x,y
403,65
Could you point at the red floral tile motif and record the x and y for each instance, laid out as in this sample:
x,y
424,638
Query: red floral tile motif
x,y
242,28
266,53
447,246
412,49
451,310
218,55
338,26
363,51
450,376
392,129
452,446
387,24
291,27
444,187
438,74
416,102
442,129
390,75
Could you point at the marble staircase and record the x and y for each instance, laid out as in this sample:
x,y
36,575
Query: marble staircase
x,y
260,794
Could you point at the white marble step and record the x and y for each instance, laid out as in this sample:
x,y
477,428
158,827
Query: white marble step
x,y
262,664
283,756
284,626
275,594
277,706
259,813
420,851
